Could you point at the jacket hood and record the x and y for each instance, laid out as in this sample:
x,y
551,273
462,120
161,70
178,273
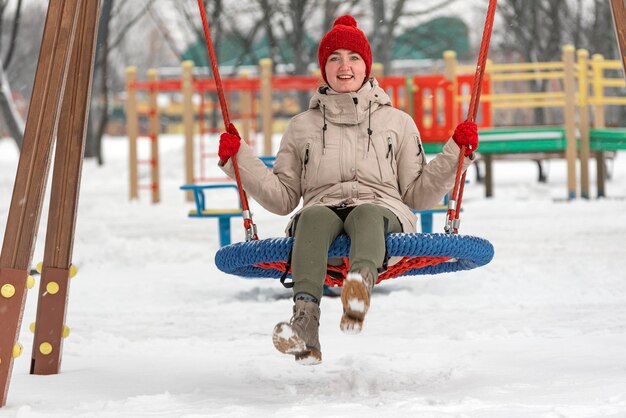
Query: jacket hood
x,y
350,108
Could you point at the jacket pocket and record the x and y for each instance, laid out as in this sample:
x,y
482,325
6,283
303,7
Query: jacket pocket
x,y
390,155
382,156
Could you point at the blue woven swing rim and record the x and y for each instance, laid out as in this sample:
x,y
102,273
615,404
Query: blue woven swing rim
x,y
466,252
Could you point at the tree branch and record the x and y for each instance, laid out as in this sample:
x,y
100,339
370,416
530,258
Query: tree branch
x,y
12,40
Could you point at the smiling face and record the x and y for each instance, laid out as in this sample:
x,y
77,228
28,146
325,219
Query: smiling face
x,y
345,71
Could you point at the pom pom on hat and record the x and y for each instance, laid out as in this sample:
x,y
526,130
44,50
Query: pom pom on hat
x,y
346,20
345,35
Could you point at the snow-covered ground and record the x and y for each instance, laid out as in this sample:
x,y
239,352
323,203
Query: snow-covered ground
x,y
158,331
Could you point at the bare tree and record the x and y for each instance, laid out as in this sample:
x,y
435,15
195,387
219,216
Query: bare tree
x,y
99,110
386,15
601,36
384,24
534,29
118,21
537,30
8,109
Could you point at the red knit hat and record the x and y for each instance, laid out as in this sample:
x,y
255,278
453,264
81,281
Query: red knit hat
x,y
344,35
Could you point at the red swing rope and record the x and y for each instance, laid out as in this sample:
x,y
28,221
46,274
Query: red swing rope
x,y
454,205
248,224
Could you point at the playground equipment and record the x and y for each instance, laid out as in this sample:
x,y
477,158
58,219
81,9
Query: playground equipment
x,y
584,83
421,92
579,85
59,101
193,90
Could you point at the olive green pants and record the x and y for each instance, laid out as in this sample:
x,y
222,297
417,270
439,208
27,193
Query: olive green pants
x,y
317,227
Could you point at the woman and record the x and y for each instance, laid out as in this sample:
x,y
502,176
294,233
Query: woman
x,y
359,165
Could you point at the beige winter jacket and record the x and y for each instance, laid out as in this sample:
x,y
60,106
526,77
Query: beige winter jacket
x,y
327,157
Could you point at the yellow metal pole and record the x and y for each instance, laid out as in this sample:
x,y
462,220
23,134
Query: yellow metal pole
x,y
246,109
188,123
450,73
583,115
132,129
266,104
378,71
570,119
153,77
597,64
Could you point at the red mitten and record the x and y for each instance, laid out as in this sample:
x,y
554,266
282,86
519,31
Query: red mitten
x,y
466,133
229,143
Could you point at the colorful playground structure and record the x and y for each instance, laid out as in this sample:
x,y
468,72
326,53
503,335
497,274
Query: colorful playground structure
x,y
579,93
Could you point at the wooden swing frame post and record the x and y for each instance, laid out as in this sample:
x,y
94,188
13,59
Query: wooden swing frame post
x,y
59,102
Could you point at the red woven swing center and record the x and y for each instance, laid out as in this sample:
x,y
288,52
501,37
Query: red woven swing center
x,y
405,264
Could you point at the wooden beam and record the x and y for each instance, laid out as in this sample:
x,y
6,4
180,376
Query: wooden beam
x,y
54,286
32,172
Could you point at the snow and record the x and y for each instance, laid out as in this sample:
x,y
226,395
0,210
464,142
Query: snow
x,y
158,331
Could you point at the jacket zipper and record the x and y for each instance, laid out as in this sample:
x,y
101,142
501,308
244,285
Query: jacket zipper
x,y
306,157
390,152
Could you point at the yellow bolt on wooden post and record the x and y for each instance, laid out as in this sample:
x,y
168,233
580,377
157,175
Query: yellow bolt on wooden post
x,y
45,348
30,282
7,291
32,326
66,331
39,267
52,288
73,270
17,350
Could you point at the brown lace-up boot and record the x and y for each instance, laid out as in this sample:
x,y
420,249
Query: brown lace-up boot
x,y
355,297
300,336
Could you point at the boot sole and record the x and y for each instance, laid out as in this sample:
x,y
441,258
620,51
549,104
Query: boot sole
x,y
288,342
356,302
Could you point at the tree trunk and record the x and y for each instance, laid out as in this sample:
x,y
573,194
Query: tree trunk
x,y
98,116
9,112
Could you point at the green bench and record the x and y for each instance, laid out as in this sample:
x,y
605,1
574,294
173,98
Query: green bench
x,y
538,144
